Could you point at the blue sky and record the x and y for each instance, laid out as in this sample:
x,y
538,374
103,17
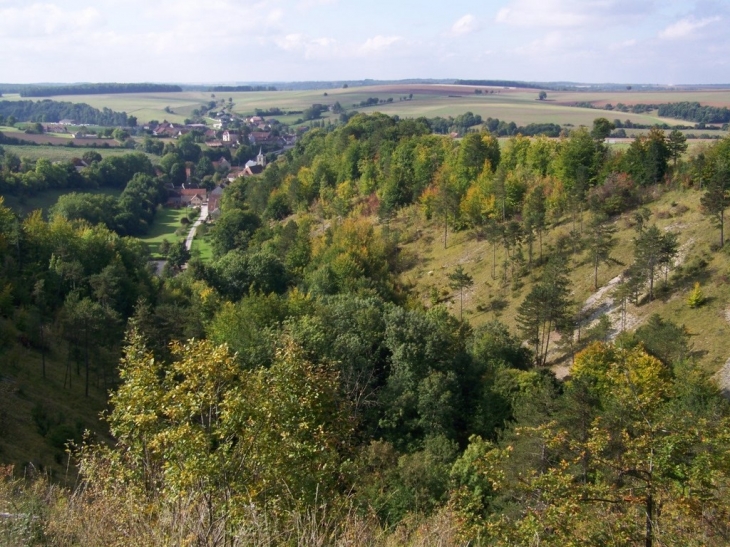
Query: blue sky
x,y
624,41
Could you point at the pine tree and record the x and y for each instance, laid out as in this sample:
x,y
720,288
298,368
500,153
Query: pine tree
x,y
716,199
545,309
460,280
652,249
696,297
600,244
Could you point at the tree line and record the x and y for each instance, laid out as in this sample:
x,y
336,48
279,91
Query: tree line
x,y
232,88
96,89
48,111
691,111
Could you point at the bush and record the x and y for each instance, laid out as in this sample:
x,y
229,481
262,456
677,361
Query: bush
x,y
696,297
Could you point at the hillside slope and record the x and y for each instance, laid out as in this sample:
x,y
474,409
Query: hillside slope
x,y
427,264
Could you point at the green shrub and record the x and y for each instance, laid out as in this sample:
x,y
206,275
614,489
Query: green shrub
x,y
696,297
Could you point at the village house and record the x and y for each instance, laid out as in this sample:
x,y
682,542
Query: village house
x,y
234,173
222,163
260,138
193,197
230,138
214,199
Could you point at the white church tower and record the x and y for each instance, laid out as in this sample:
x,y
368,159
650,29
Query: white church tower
x,y
261,159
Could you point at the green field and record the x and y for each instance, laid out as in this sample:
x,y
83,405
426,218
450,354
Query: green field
x,y
202,247
61,153
45,200
518,105
167,222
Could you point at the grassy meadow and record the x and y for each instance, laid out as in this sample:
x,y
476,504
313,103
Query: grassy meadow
x,y
202,247
61,153
427,264
166,224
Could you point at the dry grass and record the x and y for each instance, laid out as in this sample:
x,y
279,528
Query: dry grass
x,y
677,211
114,515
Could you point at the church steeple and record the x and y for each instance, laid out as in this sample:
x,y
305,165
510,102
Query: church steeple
x,y
261,159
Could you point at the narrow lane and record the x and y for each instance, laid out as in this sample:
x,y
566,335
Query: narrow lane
x,y
202,218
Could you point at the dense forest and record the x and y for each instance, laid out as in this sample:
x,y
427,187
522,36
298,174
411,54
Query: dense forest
x,y
292,390
96,89
54,111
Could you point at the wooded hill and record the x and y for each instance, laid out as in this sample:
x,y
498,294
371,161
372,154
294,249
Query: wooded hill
x,y
54,111
345,401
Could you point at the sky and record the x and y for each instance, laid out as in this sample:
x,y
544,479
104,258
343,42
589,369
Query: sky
x,y
225,41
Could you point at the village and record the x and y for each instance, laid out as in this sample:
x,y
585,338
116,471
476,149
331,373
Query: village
x,y
234,137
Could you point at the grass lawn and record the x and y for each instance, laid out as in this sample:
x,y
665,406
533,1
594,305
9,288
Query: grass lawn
x,y
167,222
202,247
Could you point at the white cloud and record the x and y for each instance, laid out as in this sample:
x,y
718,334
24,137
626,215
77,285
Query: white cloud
x,y
46,20
378,43
572,13
330,48
311,48
553,43
686,27
465,25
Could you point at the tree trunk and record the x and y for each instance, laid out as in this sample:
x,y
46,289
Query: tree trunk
x,y
651,283
86,356
722,228
649,540
446,226
43,352
461,304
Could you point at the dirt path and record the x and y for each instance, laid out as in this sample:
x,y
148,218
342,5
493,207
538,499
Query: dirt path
x,y
602,303
722,376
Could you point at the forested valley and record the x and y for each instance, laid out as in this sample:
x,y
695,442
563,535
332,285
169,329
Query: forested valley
x,y
296,390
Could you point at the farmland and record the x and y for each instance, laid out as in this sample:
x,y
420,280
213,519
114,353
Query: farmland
x,y
518,105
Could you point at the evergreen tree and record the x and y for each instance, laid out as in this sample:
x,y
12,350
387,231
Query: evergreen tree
x,y
717,198
600,243
545,309
460,280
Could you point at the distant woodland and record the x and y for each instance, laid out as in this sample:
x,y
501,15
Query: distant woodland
x,y
54,111
96,89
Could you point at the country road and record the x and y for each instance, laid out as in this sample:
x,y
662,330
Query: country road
x,y
202,218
